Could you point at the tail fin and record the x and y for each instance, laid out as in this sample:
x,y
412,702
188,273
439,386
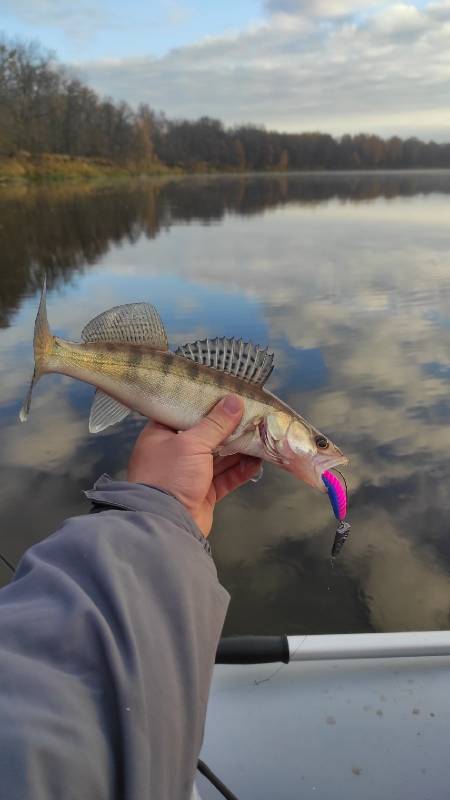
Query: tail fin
x,y
42,344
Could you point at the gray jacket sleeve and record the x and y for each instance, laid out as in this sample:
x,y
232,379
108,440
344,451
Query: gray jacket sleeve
x,y
107,641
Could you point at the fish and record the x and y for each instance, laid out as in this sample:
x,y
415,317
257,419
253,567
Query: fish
x,y
124,354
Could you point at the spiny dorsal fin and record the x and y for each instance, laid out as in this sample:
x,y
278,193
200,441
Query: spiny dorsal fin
x,y
243,359
135,323
105,411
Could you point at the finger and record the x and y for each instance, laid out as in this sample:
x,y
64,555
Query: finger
x,y
236,476
222,463
218,424
153,431
151,426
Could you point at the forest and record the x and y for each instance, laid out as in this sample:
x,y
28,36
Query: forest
x,y
46,109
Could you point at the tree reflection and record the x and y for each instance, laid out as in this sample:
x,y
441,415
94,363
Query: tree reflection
x,y
59,230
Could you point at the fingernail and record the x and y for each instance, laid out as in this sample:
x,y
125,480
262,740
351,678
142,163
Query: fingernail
x,y
232,404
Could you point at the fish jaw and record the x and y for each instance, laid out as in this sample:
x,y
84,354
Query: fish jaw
x,y
311,469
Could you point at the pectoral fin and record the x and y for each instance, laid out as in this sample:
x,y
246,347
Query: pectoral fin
x,y
249,443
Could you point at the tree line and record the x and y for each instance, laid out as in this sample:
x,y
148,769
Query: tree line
x,y
45,109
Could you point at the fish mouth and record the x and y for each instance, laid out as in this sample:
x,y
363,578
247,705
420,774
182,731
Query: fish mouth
x,y
310,470
322,463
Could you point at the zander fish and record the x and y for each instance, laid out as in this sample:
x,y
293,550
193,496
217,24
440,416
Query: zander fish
x,y
124,353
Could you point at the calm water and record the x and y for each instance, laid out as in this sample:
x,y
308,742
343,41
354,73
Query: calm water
x,y
347,277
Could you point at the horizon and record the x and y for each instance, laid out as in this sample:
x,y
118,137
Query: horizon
x,y
335,66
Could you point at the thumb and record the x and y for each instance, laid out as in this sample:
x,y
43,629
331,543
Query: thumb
x,y
219,423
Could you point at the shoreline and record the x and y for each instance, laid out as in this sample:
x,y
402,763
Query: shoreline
x,y
44,168
25,168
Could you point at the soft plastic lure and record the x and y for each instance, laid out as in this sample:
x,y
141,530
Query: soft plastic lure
x,y
338,499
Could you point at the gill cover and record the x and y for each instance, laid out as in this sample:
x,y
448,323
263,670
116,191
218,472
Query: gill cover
x,y
285,438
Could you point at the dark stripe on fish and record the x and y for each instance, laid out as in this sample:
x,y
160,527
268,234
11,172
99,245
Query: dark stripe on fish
x,y
168,363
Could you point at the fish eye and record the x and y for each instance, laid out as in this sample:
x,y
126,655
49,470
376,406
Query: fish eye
x,y
322,442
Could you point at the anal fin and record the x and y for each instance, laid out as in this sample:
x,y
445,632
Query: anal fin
x,y
105,411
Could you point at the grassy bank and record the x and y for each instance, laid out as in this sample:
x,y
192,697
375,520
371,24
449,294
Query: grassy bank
x,y
59,167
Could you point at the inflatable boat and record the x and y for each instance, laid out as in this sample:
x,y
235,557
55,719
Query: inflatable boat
x,y
328,717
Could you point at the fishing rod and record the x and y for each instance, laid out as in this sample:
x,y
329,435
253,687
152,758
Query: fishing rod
x,y
332,647
7,563
215,781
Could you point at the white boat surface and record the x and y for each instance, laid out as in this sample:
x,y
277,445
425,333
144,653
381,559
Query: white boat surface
x,y
350,716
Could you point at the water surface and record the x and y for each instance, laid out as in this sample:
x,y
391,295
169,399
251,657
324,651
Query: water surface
x,y
347,277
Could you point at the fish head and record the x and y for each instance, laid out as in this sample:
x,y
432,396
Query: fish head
x,y
300,448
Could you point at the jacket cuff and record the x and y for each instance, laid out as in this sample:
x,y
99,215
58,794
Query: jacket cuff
x,y
141,497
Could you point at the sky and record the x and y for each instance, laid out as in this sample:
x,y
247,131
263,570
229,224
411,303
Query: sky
x,y
332,65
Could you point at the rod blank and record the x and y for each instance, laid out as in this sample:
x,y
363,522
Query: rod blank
x,y
369,645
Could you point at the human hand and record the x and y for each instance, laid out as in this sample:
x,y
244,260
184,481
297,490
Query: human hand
x,y
182,463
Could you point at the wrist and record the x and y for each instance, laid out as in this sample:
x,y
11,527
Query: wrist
x,y
109,494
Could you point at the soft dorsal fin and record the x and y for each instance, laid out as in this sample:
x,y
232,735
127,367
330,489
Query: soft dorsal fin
x,y
243,359
105,411
135,323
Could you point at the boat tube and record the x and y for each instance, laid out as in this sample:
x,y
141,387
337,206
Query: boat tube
x,y
334,716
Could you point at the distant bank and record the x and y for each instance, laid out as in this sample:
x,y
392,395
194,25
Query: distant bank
x,y
48,167
25,167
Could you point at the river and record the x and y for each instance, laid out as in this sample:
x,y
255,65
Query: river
x,y
347,278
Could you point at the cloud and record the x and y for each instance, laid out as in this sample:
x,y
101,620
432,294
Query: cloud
x,y
79,21
319,8
440,11
401,21
387,71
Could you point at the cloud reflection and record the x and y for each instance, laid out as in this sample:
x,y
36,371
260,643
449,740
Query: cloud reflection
x,y
347,288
